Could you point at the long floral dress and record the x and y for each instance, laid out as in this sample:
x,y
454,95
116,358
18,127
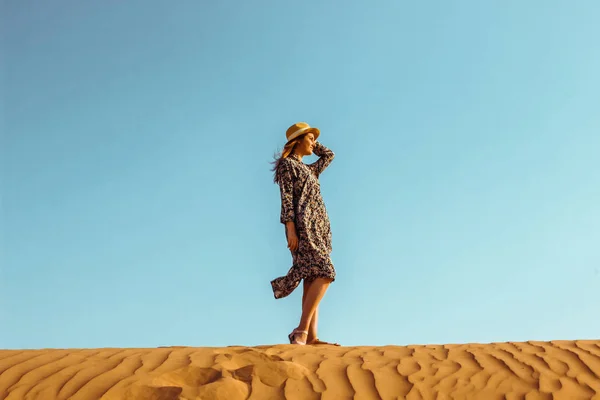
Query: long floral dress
x,y
302,203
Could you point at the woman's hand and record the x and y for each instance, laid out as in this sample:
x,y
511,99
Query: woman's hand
x,y
292,237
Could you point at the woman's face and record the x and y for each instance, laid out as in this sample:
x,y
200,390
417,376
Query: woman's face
x,y
306,144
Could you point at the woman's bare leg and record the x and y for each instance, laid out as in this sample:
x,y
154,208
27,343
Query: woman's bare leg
x,y
312,329
314,294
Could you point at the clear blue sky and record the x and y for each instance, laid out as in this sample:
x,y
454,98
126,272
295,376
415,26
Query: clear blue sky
x,y
138,208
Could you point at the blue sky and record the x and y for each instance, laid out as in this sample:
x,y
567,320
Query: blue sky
x,y
138,208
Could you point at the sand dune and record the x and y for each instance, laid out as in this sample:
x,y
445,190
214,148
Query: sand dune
x,y
529,371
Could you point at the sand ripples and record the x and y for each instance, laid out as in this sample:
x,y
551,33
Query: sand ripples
x,y
528,371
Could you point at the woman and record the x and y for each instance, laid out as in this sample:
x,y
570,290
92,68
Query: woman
x,y
306,227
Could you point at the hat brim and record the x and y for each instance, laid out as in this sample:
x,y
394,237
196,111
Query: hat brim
x,y
314,131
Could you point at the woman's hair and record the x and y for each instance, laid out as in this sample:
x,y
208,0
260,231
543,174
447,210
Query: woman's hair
x,y
284,153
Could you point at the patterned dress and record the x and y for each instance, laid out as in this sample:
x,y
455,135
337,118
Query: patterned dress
x,y
302,203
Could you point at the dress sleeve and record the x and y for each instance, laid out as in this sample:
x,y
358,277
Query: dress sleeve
x,y
286,186
325,158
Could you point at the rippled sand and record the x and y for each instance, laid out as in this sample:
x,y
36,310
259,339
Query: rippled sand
x,y
530,370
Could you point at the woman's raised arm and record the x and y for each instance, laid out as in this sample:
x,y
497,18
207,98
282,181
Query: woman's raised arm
x,y
325,158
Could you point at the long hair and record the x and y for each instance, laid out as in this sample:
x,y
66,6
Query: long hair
x,y
284,153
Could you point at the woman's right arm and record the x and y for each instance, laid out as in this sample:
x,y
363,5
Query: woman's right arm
x,y
325,158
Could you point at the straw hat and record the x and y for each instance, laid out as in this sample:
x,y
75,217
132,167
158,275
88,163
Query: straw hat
x,y
300,128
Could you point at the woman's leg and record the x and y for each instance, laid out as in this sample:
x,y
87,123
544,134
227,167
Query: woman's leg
x,y
312,328
314,294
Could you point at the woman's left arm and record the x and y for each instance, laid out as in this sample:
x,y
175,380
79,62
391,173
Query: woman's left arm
x,y
325,158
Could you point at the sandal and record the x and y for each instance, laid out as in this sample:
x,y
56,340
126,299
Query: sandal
x,y
317,341
292,337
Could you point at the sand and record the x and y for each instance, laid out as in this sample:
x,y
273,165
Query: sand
x,y
528,370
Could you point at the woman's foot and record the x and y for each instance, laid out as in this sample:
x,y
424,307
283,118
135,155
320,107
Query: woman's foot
x,y
298,337
317,341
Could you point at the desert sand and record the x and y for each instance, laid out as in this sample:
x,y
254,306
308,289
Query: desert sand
x,y
527,370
